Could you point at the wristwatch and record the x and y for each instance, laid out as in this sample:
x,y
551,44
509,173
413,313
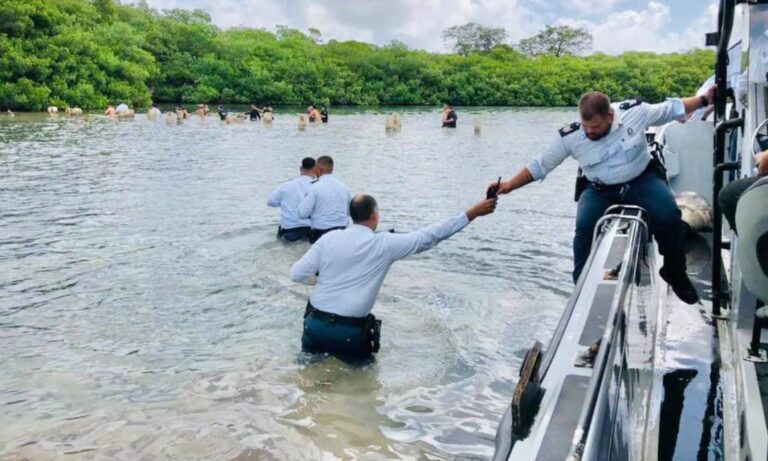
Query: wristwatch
x,y
704,101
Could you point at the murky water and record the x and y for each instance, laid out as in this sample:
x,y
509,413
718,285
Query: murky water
x,y
146,310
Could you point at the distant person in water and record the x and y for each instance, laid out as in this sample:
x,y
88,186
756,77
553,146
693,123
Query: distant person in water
x,y
222,112
202,110
154,113
254,113
449,116
288,196
324,114
110,112
314,114
181,112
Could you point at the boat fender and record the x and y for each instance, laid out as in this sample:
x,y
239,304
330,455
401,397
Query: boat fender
x,y
525,399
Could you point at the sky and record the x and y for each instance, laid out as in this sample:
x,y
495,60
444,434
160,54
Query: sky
x,y
616,25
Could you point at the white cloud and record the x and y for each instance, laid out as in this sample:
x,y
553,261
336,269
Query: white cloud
x,y
591,6
420,24
646,30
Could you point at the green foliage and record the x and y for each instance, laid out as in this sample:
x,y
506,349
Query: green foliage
x,y
89,53
557,41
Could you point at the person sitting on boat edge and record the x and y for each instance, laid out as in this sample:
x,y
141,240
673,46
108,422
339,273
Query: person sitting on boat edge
x,y
352,265
327,202
288,196
730,194
609,145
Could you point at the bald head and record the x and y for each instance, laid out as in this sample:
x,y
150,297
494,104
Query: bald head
x,y
364,210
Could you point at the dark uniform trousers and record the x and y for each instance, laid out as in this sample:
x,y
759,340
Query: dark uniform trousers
x,y
729,197
648,190
350,339
294,234
315,234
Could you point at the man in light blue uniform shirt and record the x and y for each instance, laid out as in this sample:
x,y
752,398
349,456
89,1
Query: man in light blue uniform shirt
x,y
352,265
609,144
288,196
327,203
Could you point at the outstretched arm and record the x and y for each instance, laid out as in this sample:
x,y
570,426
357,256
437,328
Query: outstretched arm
x,y
522,178
400,246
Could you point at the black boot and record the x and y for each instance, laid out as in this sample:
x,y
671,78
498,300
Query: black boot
x,y
681,285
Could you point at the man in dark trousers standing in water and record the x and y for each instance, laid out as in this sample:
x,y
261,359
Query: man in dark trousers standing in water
x,y
352,265
327,202
609,144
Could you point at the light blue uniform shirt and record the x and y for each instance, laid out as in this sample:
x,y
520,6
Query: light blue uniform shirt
x,y
326,203
288,196
353,263
619,156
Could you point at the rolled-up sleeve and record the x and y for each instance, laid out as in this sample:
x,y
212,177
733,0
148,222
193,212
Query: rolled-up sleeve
x,y
664,112
400,246
549,159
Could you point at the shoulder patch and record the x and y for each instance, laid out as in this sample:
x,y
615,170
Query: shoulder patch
x,y
630,104
568,129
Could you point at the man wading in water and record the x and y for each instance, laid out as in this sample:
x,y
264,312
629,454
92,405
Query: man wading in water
x,y
352,264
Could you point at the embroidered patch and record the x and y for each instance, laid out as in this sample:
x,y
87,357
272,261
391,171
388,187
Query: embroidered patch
x,y
568,129
630,104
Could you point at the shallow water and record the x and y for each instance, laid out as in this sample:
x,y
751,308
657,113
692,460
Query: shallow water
x,y
146,310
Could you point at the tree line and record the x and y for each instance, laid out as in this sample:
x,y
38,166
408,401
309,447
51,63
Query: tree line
x,y
90,53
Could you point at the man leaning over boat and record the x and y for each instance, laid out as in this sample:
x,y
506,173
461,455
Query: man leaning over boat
x,y
609,144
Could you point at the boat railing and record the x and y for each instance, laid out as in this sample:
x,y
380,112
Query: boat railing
x,y
611,342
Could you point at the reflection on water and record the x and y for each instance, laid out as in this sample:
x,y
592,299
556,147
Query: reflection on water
x,y
146,310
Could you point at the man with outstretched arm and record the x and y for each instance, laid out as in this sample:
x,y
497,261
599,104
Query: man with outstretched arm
x,y
352,264
609,144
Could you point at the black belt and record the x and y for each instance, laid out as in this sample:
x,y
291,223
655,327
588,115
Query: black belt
x,y
311,311
654,166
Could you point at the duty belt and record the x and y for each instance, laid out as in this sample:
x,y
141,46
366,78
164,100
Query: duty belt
x,y
311,311
654,166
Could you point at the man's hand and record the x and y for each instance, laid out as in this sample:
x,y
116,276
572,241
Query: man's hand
x,y
761,161
504,187
710,94
482,208
519,180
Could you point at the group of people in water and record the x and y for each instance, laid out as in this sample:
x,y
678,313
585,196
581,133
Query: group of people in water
x,y
256,112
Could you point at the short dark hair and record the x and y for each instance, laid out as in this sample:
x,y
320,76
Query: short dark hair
x,y
307,163
361,207
594,104
326,162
